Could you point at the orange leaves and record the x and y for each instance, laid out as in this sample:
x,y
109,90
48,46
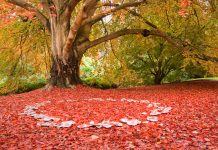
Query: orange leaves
x,y
9,12
6,11
183,12
184,4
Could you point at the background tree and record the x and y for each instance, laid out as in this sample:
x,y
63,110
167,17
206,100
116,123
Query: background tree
x,y
155,63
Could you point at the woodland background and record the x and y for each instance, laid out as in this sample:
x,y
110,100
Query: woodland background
x,y
130,60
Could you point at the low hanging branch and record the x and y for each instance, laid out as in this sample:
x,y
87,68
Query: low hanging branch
x,y
114,35
157,32
176,43
179,44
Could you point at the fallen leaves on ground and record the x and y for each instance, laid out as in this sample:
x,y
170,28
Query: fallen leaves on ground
x,y
170,116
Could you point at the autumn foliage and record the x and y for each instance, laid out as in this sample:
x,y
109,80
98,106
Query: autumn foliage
x,y
9,12
191,124
184,10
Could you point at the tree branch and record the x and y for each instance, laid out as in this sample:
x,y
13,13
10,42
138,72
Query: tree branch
x,y
82,14
176,43
157,32
21,3
134,14
69,7
206,57
140,16
97,18
45,5
72,3
152,63
109,4
213,5
146,63
114,35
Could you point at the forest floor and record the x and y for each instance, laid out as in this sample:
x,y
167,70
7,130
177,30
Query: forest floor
x,y
88,118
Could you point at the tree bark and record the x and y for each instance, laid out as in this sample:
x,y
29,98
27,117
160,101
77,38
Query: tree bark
x,y
157,79
65,74
64,71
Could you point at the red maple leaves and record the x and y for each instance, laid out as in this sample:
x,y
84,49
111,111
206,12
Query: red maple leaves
x,y
191,124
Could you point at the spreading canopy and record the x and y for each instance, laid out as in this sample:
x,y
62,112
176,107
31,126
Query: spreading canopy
x,y
70,23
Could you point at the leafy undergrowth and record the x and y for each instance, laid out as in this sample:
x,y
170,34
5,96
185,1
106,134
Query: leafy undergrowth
x,y
191,124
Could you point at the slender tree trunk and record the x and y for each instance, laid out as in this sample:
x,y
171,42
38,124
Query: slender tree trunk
x,y
158,78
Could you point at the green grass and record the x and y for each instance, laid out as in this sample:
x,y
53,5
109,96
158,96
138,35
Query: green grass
x,y
207,78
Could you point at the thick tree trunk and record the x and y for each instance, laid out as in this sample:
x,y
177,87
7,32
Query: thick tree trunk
x,y
65,75
64,70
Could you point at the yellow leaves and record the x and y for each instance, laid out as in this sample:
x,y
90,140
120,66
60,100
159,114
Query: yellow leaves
x,y
25,50
212,68
122,15
208,65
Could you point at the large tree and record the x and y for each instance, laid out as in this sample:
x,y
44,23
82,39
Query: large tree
x,y
70,22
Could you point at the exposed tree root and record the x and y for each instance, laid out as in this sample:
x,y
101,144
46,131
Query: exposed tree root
x,y
71,86
48,87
